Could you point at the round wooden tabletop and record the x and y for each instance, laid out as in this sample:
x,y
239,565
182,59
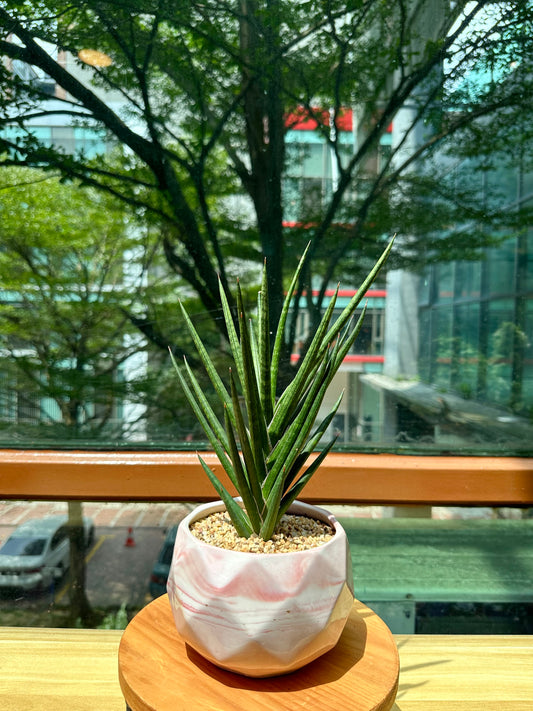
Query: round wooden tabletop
x,y
159,672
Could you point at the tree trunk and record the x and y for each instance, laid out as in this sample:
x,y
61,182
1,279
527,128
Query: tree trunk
x,y
263,114
80,608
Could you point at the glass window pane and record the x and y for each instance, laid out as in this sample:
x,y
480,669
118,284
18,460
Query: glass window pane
x,y
501,185
444,282
424,354
424,288
501,267
528,268
314,160
467,280
189,181
467,352
442,344
501,330
527,376
201,162
129,547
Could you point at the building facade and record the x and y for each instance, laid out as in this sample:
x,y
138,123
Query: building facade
x,y
309,183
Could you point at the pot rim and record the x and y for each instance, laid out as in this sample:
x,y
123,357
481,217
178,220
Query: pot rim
x,y
203,510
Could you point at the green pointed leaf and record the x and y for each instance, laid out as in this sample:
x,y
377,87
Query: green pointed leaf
x,y
193,402
346,343
219,386
243,486
272,510
258,429
294,439
290,444
211,436
264,349
232,333
246,448
206,407
346,314
278,503
312,443
254,348
324,424
280,331
297,488
237,515
289,399
293,414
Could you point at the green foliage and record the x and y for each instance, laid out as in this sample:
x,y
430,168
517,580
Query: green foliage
x,y
65,290
275,434
115,620
194,104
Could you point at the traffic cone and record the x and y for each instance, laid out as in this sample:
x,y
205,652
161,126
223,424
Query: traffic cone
x,y
130,541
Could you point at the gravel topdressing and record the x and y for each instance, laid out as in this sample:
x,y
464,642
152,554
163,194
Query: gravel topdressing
x,y
294,533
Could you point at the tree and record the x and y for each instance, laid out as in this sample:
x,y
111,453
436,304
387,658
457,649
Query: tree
x,y
65,337
204,94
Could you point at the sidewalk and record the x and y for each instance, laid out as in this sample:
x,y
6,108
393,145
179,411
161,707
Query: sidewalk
x,y
109,515
162,515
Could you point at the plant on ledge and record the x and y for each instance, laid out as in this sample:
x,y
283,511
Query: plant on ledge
x,y
264,449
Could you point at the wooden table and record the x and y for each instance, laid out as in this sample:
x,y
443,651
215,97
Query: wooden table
x,y
77,670
45,669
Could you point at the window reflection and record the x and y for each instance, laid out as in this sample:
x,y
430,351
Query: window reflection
x,y
445,336
432,560
480,344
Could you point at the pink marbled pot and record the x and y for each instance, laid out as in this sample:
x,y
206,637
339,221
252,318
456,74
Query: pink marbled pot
x,y
260,614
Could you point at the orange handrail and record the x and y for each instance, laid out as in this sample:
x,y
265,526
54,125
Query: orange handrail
x,y
343,478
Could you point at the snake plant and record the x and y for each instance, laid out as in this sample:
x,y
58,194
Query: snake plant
x,y
264,442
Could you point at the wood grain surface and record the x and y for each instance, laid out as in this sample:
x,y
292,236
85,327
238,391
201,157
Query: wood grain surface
x,y
77,670
158,672
59,670
465,673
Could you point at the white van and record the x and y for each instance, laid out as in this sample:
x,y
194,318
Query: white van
x,y
37,553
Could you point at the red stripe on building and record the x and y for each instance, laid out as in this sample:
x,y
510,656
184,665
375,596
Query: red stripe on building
x,y
364,359
295,357
375,293
309,225
301,120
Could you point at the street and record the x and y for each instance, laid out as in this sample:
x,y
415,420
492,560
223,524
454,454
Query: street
x,y
128,538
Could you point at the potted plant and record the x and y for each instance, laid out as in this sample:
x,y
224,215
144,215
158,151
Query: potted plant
x,y
275,597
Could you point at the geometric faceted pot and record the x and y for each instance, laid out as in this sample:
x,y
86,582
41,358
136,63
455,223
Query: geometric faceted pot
x,y
260,614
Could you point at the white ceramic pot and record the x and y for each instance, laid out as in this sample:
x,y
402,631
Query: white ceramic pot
x,y
260,614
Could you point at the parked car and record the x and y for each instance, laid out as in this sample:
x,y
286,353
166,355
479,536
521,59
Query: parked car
x,y
159,576
37,552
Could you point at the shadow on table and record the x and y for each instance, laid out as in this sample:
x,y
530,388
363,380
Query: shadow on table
x,y
405,687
